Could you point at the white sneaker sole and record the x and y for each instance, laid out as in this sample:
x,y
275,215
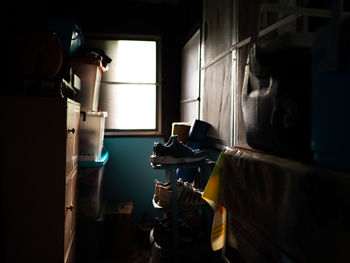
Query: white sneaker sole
x,y
172,160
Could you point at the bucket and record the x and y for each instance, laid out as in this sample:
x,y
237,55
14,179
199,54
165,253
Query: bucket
x,y
90,80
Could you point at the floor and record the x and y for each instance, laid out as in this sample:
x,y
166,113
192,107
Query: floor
x,y
112,241
138,255
141,253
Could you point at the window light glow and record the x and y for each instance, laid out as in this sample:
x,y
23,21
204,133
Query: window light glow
x,y
129,114
128,89
136,62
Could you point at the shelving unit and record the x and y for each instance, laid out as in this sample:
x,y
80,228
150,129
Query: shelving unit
x,y
170,174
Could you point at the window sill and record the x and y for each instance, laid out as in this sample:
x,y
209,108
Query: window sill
x,y
140,133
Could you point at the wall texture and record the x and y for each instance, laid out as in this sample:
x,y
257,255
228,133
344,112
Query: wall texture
x,y
129,175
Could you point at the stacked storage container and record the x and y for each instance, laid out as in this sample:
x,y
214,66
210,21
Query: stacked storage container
x,y
89,66
91,209
92,125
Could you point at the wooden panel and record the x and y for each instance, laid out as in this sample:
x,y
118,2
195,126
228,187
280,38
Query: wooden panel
x,y
190,79
72,146
189,111
72,252
68,217
240,137
71,212
218,28
216,78
244,30
216,100
32,178
190,68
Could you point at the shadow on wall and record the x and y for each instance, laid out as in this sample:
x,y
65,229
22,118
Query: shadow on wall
x,y
129,175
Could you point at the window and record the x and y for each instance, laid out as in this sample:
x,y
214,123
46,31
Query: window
x,y
190,89
130,89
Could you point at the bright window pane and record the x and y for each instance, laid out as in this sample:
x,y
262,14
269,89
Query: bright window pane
x,y
128,90
129,106
136,62
132,60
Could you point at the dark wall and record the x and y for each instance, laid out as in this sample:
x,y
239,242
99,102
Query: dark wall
x,y
172,22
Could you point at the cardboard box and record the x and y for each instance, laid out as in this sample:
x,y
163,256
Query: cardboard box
x,y
118,230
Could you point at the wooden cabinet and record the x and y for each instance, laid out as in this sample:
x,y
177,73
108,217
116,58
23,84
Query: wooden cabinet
x,y
70,214
39,154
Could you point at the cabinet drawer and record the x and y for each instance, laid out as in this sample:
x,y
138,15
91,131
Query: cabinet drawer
x,y
71,210
70,255
72,144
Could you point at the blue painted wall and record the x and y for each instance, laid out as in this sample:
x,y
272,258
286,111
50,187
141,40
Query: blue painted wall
x,y
129,175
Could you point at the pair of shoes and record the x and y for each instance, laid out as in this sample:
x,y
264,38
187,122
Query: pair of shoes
x,y
162,193
175,152
157,186
191,196
187,195
163,232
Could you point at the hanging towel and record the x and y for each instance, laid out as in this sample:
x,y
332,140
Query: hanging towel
x,y
213,194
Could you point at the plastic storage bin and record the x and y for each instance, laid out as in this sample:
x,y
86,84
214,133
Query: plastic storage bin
x,y
90,80
91,209
118,226
92,125
90,186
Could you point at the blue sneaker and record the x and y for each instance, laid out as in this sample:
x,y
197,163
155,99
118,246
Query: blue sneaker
x,y
175,152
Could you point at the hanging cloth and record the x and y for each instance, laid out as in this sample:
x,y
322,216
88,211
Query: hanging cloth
x,y
213,194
